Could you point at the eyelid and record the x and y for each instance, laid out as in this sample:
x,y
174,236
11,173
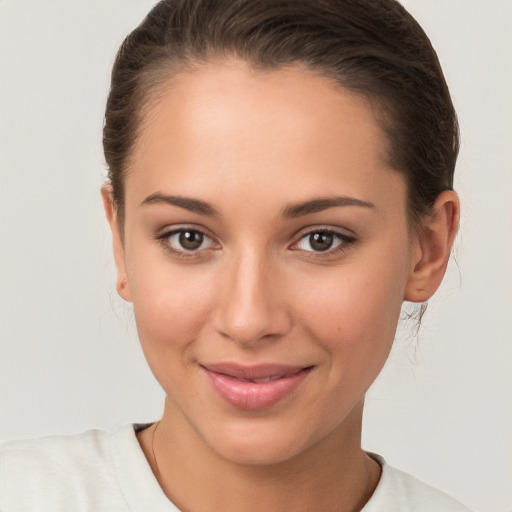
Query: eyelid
x,y
324,228
346,240
164,234
174,228
341,233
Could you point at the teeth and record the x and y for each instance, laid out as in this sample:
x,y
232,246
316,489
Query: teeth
x,y
264,379
267,379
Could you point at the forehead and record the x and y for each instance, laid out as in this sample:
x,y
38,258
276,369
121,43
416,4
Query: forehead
x,y
225,123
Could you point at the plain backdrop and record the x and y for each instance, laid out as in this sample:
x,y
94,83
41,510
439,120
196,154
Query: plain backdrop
x,y
69,355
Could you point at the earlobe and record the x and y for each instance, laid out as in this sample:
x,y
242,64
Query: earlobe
x,y
432,248
122,285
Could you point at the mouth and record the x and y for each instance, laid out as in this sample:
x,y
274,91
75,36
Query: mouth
x,y
252,388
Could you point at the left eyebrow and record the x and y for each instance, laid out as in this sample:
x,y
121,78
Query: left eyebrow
x,y
188,203
320,204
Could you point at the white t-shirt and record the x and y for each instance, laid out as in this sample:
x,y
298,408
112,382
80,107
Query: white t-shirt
x,y
108,472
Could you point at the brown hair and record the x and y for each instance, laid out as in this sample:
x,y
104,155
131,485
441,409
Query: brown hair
x,y
373,47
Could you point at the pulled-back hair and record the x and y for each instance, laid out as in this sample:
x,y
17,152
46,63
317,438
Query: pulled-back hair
x,y
372,47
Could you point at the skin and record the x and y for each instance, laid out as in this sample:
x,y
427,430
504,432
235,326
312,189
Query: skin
x,y
251,144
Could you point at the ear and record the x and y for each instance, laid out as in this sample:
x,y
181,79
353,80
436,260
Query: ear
x,y
122,285
432,248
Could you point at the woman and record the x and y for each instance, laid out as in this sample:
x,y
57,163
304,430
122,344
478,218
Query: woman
x,y
280,181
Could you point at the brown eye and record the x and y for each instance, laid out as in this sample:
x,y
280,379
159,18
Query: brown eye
x,y
190,240
321,241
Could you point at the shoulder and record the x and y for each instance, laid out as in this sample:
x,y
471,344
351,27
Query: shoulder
x,y
401,492
55,456
87,445
58,472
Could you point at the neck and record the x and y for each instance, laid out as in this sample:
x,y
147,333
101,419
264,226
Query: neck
x,y
333,474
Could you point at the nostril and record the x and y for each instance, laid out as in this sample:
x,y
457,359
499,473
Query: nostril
x,y
257,329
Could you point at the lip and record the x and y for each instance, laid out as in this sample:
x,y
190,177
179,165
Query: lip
x,y
256,387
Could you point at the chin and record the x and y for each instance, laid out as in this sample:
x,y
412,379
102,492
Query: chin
x,y
256,445
258,454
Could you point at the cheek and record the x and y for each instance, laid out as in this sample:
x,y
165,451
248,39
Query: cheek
x,y
353,315
171,306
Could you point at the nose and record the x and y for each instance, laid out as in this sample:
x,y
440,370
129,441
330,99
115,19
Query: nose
x,y
250,306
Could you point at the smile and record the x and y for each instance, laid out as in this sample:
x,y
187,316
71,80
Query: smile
x,y
252,388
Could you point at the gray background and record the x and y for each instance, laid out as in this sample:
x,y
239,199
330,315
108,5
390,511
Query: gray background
x,y
69,355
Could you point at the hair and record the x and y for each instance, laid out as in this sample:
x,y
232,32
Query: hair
x,y
372,47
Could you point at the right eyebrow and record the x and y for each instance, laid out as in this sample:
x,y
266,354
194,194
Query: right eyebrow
x,y
188,203
322,203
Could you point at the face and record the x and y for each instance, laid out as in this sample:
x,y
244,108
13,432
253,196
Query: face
x,y
266,252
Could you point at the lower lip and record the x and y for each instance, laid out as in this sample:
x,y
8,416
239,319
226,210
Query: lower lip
x,y
252,396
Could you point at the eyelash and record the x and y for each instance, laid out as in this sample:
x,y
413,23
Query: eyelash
x,y
163,240
345,241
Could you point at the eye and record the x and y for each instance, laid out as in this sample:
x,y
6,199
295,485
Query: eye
x,y
323,241
186,241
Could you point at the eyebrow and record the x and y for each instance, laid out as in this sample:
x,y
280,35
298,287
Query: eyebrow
x,y
188,203
289,212
320,204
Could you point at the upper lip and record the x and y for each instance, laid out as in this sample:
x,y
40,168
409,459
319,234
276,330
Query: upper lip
x,y
260,371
